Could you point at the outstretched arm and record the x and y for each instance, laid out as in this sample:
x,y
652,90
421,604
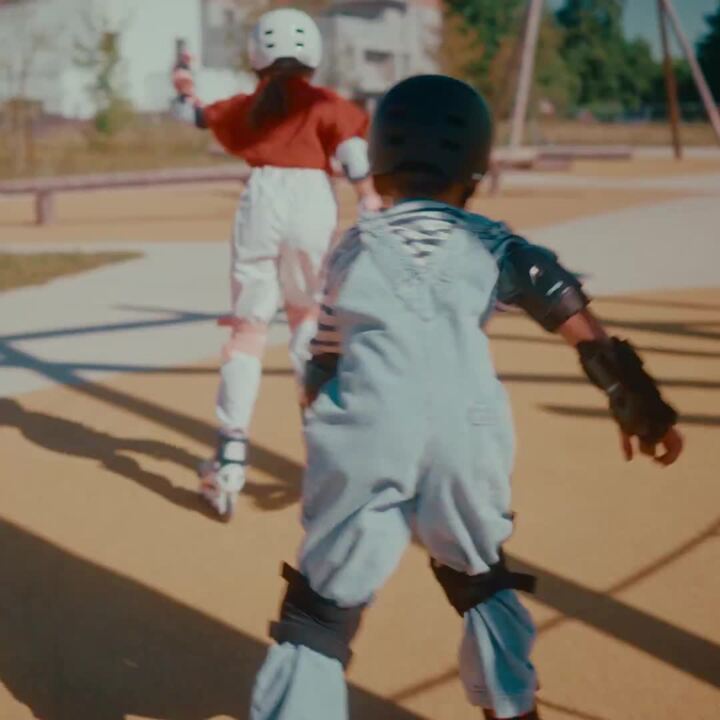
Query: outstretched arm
x,y
352,156
187,107
533,279
635,401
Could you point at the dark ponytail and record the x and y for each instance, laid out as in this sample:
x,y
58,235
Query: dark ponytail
x,y
272,103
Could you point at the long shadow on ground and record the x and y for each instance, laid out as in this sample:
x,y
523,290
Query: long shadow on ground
x,y
283,492
674,646
585,412
78,642
71,438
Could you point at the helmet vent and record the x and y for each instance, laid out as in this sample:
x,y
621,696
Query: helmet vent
x,y
300,30
269,32
269,45
300,44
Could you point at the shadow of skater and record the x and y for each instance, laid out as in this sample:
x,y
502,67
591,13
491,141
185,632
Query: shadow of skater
x,y
68,437
80,642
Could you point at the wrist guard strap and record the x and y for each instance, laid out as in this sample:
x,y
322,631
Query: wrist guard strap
x,y
635,400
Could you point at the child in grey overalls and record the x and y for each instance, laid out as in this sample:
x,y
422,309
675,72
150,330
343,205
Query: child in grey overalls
x,y
408,428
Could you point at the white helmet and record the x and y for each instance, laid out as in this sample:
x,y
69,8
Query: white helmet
x,y
285,34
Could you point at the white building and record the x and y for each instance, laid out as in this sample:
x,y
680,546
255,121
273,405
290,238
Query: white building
x,y
369,44
38,38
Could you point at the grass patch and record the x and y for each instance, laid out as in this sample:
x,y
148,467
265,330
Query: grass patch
x,y
156,143
23,269
74,150
568,132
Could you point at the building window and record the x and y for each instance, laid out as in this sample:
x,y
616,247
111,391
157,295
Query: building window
x,y
381,64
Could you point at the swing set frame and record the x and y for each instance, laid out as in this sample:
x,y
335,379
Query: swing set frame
x,y
667,17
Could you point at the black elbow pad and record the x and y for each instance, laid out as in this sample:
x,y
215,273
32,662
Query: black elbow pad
x,y
547,292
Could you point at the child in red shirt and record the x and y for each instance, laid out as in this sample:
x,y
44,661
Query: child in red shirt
x,y
289,132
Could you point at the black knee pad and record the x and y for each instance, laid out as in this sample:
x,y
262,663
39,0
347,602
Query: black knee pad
x,y
309,619
466,591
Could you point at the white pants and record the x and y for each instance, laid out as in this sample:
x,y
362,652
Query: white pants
x,y
283,229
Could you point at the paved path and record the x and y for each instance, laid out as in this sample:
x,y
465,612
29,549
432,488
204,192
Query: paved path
x,y
155,311
161,309
697,184
662,247
120,599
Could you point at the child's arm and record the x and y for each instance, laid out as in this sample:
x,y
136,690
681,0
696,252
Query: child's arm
x,y
532,278
353,158
344,128
635,401
187,107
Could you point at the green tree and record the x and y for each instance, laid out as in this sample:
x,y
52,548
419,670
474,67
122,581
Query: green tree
x,y
688,96
593,47
613,72
489,30
708,50
21,64
98,52
555,80
458,48
637,75
482,43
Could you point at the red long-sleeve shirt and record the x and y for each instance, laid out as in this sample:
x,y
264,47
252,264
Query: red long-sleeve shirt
x,y
318,121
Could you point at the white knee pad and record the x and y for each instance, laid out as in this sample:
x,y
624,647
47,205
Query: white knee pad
x,y
352,154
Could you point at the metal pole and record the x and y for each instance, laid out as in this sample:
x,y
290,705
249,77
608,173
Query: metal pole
x,y
697,72
509,89
670,84
527,67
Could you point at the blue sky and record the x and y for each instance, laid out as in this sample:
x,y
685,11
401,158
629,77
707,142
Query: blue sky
x,y
641,17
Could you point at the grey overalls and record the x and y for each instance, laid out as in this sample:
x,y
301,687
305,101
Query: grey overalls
x,y
414,434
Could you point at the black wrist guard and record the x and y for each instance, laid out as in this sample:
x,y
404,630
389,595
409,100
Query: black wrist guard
x,y
635,400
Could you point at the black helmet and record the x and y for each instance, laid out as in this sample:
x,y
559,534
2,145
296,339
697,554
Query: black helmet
x,y
432,122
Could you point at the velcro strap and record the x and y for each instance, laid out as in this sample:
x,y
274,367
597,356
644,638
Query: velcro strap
x,y
231,450
464,591
298,633
635,400
311,620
